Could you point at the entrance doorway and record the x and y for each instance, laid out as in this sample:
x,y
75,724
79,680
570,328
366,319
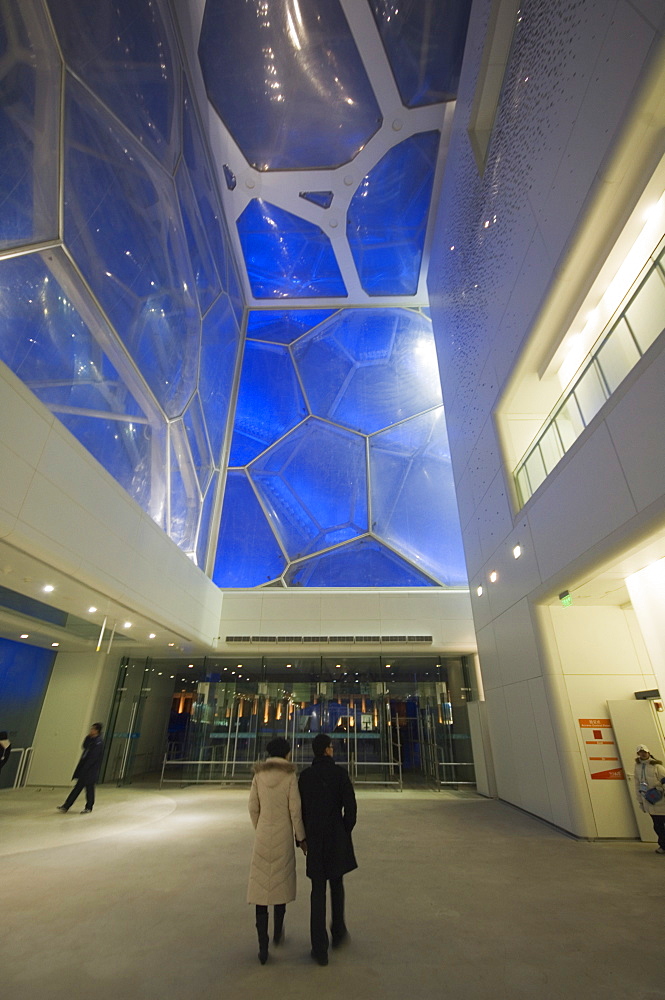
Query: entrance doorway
x,y
392,720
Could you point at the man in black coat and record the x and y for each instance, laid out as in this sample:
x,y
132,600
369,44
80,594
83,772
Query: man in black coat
x,y
87,770
329,815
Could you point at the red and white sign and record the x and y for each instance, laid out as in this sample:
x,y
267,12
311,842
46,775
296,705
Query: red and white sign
x,y
601,750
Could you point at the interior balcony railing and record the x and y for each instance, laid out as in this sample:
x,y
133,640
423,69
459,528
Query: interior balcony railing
x,y
633,329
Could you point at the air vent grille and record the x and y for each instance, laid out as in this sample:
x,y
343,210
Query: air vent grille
x,y
345,639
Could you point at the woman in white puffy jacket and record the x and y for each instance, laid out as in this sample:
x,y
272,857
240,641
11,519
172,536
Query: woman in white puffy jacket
x,y
650,774
274,808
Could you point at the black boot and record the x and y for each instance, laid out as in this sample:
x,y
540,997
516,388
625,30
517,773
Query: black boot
x,y
278,932
262,931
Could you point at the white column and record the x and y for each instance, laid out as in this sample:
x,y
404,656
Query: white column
x,y
647,595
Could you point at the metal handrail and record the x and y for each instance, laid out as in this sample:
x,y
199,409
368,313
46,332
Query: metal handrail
x,y
454,763
392,764
23,767
198,780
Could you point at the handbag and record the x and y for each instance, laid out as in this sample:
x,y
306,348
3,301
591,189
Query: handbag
x,y
653,795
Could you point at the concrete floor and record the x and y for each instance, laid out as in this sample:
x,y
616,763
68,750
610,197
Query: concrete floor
x,y
456,896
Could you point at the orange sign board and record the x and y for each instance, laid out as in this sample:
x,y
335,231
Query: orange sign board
x,y
601,751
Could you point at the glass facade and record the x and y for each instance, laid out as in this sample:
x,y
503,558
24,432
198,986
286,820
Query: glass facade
x,y
127,327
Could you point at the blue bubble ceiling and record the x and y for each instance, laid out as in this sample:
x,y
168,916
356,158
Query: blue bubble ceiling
x,y
288,82
158,264
127,323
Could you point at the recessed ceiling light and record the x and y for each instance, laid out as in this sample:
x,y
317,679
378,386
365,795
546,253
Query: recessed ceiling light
x,y
517,551
152,635
479,591
172,644
48,588
55,643
494,576
24,635
127,625
91,610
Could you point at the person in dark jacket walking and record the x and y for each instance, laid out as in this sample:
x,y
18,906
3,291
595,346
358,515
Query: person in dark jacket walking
x,y
329,816
87,770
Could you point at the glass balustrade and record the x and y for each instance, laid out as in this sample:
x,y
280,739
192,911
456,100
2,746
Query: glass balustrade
x,y
619,348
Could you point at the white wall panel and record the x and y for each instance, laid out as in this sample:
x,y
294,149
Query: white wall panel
x,y
595,640
637,429
584,500
516,644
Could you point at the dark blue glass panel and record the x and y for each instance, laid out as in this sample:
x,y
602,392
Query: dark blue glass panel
x,y
363,563
283,326
288,82
207,281
46,343
286,256
424,42
123,228
388,214
24,675
30,80
185,496
198,442
125,52
204,524
124,449
269,401
314,487
247,552
369,368
219,349
204,186
414,507
322,198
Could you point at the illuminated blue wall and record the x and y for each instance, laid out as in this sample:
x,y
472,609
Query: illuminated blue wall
x,y
124,316
24,676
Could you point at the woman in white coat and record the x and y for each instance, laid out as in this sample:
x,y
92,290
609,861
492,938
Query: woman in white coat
x,y
649,777
274,808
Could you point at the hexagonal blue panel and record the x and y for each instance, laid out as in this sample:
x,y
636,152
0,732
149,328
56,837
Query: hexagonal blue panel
x,y
220,340
362,563
30,82
123,228
424,42
414,507
247,552
388,214
185,496
269,401
368,368
286,256
205,521
47,344
288,82
199,445
314,487
205,189
283,326
124,51
208,285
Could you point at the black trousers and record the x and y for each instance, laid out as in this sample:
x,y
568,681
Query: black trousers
x,y
659,827
317,921
76,791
